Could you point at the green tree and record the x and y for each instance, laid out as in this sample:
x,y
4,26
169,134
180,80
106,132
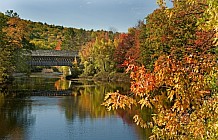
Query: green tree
x,y
18,33
97,56
11,13
6,50
75,38
102,55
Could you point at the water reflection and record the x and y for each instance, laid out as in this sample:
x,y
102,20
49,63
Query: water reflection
x,y
15,116
62,84
79,116
87,104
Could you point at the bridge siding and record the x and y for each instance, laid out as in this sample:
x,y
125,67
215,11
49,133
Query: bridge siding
x,y
62,53
52,58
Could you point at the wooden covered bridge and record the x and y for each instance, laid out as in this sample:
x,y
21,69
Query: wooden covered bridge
x,y
53,58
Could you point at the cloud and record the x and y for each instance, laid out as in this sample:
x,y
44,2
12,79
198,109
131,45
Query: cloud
x,y
88,2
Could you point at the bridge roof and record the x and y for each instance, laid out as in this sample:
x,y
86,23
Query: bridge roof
x,y
63,53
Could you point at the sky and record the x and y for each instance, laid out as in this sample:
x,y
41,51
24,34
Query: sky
x,y
86,14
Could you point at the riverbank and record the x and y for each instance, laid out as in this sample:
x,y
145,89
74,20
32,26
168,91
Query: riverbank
x,y
103,76
108,77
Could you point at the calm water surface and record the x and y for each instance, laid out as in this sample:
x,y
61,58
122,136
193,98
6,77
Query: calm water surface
x,y
28,113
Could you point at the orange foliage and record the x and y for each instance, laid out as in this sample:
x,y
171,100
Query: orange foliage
x,y
181,84
58,46
16,31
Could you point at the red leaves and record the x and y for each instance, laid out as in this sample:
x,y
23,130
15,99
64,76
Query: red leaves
x,y
128,47
125,43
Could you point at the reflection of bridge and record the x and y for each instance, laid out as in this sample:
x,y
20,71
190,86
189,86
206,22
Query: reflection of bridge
x,y
67,92
51,93
52,58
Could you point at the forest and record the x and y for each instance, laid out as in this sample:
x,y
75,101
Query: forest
x,y
170,58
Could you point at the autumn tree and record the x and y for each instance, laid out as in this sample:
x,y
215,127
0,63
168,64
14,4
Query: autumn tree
x,y
127,46
4,54
125,42
179,79
97,55
134,52
6,49
86,59
18,34
103,51
15,43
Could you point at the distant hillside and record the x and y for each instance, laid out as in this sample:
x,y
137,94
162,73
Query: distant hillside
x,y
44,36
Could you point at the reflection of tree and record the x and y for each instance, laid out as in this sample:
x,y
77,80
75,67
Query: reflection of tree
x,y
14,116
128,114
37,82
62,84
89,103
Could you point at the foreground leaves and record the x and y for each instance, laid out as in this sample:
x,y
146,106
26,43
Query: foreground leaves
x,y
178,80
115,100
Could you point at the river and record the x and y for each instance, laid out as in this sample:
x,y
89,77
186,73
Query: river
x,y
38,108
